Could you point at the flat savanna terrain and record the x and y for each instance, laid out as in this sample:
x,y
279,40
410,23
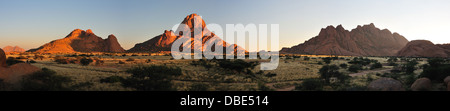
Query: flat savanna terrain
x,y
291,72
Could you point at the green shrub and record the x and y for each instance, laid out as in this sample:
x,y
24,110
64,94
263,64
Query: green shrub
x,y
21,57
86,61
271,74
437,70
32,61
355,68
311,85
409,80
199,87
237,65
36,57
11,61
344,65
392,64
327,60
392,59
45,80
360,61
203,63
112,79
151,78
377,65
410,67
319,63
329,71
263,87
82,85
306,58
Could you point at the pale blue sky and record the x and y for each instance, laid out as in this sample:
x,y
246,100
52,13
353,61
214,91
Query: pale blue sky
x,y
31,23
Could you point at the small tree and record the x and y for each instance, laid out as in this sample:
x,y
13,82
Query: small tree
x,y
354,68
327,60
311,85
329,71
306,58
410,67
344,65
377,65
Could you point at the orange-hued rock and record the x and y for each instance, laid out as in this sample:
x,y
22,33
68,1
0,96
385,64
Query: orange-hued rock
x,y
9,49
13,74
112,45
163,42
81,41
424,48
364,40
2,59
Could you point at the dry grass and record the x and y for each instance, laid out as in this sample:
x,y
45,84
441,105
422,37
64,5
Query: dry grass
x,y
290,72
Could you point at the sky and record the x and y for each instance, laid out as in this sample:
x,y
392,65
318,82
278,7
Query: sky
x,y
32,23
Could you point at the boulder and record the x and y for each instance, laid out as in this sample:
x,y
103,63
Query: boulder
x,y
447,80
448,86
422,84
3,59
385,84
14,73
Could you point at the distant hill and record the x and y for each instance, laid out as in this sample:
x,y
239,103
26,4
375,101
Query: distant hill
x,y
366,40
9,49
81,41
425,48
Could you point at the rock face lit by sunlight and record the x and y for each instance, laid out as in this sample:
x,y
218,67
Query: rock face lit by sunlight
x,y
81,41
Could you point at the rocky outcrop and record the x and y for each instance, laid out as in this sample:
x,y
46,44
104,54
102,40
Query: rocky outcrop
x,y
447,80
2,59
385,84
81,41
163,42
364,40
422,84
13,74
9,49
112,44
424,48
